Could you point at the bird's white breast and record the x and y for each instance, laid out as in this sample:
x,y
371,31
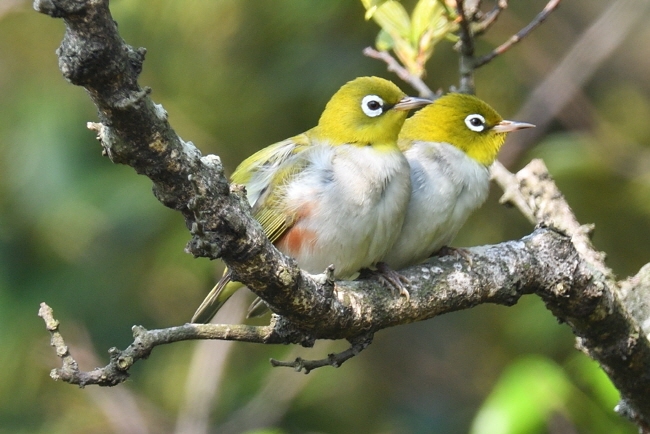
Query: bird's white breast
x,y
357,198
447,185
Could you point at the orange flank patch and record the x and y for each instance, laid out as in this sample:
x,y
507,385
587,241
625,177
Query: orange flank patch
x,y
296,239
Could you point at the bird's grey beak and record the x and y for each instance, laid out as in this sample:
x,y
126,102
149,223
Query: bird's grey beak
x,y
411,102
508,126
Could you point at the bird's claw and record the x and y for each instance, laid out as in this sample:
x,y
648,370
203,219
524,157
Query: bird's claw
x,y
389,278
457,252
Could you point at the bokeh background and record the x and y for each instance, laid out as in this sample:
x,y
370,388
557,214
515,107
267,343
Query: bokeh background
x,y
89,238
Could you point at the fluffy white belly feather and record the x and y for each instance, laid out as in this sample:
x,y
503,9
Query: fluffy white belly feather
x,y
447,186
356,198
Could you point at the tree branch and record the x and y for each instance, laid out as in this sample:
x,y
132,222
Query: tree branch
x,y
534,193
490,18
471,25
358,344
539,19
466,65
394,66
597,43
135,131
557,261
616,339
116,372
499,274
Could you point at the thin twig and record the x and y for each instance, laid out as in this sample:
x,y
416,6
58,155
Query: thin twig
x,y
597,43
490,18
466,48
145,341
56,340
394,66
533,192
539,19
334,359
511,191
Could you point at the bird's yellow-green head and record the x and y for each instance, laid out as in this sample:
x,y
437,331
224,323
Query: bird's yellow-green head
x,y
366,111
464,121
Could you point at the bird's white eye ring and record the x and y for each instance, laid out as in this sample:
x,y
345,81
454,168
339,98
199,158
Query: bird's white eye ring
x,y
475,122
372,105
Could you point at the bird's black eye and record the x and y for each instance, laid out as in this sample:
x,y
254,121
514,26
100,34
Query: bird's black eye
x,y
475,122
372,105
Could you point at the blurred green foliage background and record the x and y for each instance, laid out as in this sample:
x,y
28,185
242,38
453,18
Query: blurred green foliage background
x,y
89,238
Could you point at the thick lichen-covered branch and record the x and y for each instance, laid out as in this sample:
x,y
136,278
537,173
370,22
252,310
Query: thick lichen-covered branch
x,y
614,335
133,130
498,274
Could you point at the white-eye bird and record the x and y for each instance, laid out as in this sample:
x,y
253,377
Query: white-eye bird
x,y
449,145
336,194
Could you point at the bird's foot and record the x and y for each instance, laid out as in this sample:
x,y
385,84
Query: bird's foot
x,y
457,252
388,277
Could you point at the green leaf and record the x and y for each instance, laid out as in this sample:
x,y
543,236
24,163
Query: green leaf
x,y
384,41
391,17
425,14
372,6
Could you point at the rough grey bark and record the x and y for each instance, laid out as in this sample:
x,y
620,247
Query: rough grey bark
x,y
556,262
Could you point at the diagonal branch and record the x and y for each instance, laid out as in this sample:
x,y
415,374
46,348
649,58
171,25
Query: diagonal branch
x,y
539,19
621,343
596,44
490,18
543,204
394,66
133,130
468,61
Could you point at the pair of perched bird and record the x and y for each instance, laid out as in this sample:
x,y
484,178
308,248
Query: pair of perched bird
x,y
366,186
